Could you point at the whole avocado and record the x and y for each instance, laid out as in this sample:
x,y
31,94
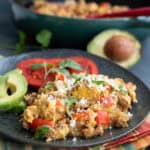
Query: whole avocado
x,y
119,46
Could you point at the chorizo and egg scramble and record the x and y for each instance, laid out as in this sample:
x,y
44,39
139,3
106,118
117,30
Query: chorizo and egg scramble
x,y
82,105
72,8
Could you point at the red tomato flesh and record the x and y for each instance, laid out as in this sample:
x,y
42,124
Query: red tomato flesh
x,y
106,101
40,122
35,77
81,116
102,118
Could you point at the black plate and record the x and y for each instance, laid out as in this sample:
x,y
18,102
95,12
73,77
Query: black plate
x,y
9,123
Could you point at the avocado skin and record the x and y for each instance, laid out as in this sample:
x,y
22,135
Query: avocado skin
x,y
96,47
18,84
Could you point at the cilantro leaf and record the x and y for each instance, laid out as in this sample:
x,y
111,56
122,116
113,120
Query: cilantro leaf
x,y
78,79
64,71
122,90
44,38
70,64
98,82
112,88
75,76
49,85
41,132
53,70
38,66
20,46
69,102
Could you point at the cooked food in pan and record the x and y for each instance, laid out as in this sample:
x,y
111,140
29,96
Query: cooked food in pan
x,y
72,8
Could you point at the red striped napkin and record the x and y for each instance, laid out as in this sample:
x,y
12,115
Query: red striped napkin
x,y
139,133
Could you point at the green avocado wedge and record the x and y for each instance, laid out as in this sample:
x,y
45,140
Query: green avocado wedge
x,y
96,46
19,107
13,87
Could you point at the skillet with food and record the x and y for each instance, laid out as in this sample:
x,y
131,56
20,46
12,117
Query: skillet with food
x,y
64,29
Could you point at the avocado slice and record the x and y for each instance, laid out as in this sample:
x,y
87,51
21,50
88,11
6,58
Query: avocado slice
x,y
96,46
13,87
19,107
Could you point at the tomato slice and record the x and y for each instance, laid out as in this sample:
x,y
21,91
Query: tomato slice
x,y
36,79
40,122
81,116
106,101
87,64
102,118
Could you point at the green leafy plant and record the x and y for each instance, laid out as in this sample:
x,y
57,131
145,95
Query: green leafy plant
x,y
122,90
41,132
69,102
38,66
20,46
61,67
49,85
70,64
43,38
98,82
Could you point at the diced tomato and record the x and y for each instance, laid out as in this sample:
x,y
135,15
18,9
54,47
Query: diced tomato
x,y
60,106
61,77
105,5
81,116
35,77
109,88
129,85
106,101
40,122
102,118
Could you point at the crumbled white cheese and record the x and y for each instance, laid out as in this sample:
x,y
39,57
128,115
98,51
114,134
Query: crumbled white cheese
x,y
83,102
73,123
98,103
130,114
60,86
102,87
102,77
89,79
112,83
52,99
80,110
105,101
94,115
70,83
74,139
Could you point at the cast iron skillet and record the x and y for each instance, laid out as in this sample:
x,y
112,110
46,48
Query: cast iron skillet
x,y
9,123
73,32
